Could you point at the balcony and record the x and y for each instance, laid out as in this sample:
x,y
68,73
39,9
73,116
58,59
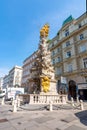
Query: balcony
x,y
83,71
68,47
71,72
58,75
81,41
82,53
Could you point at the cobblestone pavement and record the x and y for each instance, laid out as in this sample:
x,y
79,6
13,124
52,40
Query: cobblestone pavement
x,y
61,119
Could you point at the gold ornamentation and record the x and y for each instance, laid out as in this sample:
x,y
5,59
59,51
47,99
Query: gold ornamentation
x,y
44,31
45,84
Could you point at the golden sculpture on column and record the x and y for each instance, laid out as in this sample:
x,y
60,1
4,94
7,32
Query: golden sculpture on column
x,y
43,70
44,31
45,84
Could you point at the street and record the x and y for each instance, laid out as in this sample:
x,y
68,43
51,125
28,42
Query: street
x,y
69,119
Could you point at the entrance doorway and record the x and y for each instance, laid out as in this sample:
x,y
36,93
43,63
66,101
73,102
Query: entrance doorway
x,y
83,94
72,89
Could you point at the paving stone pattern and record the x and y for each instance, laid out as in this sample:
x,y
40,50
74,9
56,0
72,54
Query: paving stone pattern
x,y
69,119
73,127
42,120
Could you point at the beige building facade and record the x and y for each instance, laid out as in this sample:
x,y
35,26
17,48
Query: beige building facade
x,y
26,75
15,76
69,50
5,81
13,79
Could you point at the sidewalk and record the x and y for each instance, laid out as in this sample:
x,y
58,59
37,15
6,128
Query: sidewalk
x,y
42,120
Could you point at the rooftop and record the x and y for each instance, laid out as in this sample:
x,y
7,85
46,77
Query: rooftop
x,y
69,19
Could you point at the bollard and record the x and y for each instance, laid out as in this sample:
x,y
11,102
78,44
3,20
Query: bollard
x,y
72,101
3,101
77,99
51,108
18,102
81,105
13,102
15,106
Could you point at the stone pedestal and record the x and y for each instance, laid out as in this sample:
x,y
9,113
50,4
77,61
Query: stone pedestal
x,y
52,88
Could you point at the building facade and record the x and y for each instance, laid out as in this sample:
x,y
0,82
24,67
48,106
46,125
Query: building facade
x,y
15,76
13,79
69,50
1,82
5,81
26,75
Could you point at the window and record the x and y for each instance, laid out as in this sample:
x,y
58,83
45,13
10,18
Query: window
x,y
70,68
53,53
58,49
67,33
55,42
79,25
18,73
82,48
85,62
53,61
59,71
59,59
68,54
67,43
52,44
81,37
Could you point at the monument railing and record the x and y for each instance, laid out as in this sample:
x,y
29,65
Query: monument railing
x,y
46,99
43,99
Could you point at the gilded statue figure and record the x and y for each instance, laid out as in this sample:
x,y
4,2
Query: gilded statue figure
x,y
44,31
